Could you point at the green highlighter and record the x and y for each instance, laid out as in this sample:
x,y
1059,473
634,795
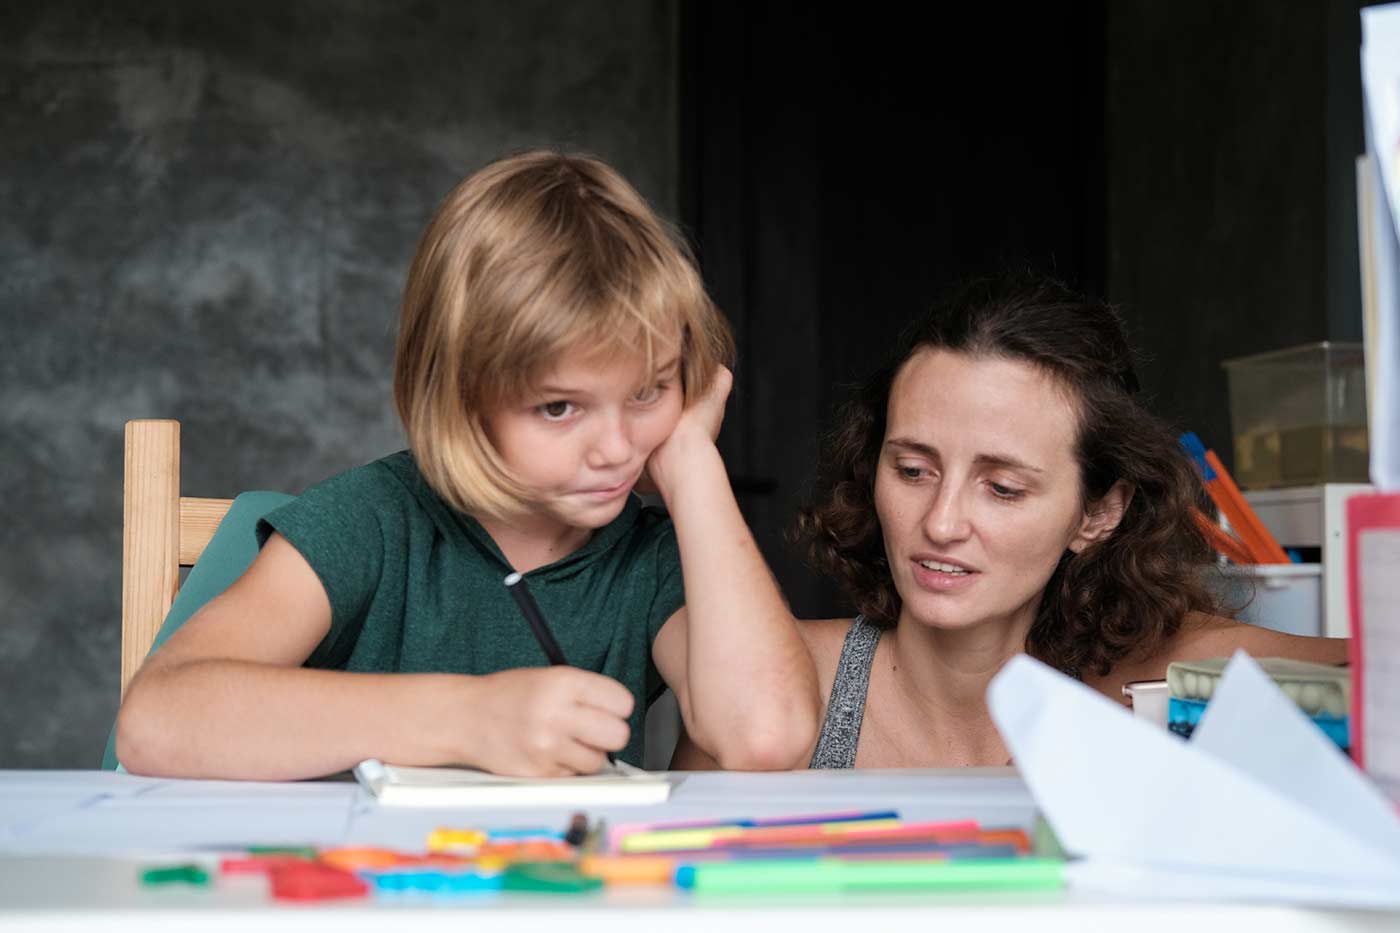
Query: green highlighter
x,y
176,874
831,875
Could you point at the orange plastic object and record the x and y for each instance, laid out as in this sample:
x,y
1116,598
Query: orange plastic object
x,y
1231,501
356,858
629,869
1006,837
1222,540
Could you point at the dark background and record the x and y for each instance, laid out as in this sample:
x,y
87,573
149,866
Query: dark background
x,y
1191,162
206,213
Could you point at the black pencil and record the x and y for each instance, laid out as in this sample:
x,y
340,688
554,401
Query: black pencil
x,y
531,611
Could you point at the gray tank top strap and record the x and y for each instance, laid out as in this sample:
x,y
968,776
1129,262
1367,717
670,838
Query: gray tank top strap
x,y
836,746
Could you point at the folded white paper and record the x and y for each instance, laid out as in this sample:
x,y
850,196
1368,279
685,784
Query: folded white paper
x,y
1378,226
1259,804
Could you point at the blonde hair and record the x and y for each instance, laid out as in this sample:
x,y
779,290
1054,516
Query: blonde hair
x,y
534,255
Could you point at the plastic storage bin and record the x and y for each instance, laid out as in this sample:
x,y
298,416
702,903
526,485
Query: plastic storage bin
x,y
1286,597
1299,416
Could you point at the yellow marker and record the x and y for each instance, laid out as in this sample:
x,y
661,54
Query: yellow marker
x,y
675,840
444,839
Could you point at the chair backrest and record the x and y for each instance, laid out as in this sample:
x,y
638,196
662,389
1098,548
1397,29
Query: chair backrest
x,y
162,531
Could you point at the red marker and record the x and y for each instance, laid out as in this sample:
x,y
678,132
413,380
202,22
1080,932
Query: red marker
x,y
313,882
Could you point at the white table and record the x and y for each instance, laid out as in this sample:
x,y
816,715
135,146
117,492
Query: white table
x,y
72,845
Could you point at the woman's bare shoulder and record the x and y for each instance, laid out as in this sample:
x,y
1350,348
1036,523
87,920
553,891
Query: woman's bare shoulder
x,y
1204,635
1207,636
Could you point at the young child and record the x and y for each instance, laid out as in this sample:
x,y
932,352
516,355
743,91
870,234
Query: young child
x,y
556,345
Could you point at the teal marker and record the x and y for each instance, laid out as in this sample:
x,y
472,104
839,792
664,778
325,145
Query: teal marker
x,y
833,875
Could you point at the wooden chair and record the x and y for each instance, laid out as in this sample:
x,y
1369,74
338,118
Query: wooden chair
x,y
162,531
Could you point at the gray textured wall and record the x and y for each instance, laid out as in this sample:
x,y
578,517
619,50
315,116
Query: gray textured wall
x,y
206,213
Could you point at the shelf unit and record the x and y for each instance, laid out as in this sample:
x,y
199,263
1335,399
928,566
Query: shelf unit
x,y
1314,516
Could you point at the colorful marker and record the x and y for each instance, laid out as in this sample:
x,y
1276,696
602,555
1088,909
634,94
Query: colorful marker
x,y
176,874
666,840
845,816
823,876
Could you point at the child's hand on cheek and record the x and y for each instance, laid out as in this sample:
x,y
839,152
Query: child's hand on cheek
x,y
706,414
548,721
699,423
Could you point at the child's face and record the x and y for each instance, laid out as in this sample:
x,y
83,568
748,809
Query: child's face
x,y
581,442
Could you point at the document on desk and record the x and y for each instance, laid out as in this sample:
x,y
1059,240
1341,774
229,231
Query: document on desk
x,y
1258,805
102,813
618,784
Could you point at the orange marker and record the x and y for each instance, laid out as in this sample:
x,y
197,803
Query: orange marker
x,y
1241,516
1006,837
1222,540
629,869
360,857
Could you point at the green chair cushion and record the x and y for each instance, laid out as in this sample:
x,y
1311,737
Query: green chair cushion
x,y
229,553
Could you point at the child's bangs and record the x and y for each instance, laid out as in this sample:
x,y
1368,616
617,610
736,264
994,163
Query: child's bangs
x,y
645,321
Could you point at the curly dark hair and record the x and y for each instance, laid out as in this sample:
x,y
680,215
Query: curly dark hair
x,y
1123,595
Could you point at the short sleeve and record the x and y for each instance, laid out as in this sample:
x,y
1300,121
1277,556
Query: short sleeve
x,y
670,585
336,526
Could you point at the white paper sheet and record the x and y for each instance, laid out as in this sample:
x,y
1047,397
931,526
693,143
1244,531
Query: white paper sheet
x,y
1259,806
1380,246
27,798
102,812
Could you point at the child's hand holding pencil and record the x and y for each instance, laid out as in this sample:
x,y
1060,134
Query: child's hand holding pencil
x,y
545,721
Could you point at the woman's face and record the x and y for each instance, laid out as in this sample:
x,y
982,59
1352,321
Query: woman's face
x,y
977,488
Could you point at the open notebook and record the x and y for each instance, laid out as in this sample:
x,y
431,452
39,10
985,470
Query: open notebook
x,y
618,784
1373,555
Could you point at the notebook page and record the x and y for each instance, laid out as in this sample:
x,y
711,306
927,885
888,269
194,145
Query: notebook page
x,y
618,783
1378,568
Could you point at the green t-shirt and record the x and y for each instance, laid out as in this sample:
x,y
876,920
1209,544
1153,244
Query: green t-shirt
x,y
416,586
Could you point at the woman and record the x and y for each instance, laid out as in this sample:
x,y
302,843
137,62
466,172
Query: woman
x,y
998,488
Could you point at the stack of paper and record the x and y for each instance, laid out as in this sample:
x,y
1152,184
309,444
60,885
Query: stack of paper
x,y
1258,804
